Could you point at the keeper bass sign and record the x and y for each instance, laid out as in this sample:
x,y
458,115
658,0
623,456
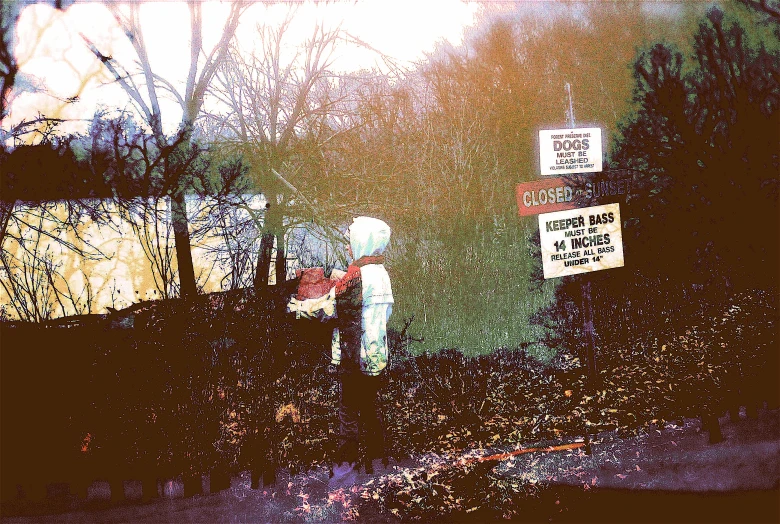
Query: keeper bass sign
x,y
581,240
570,151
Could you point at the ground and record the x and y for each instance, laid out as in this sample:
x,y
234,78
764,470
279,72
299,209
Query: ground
x,y
668,474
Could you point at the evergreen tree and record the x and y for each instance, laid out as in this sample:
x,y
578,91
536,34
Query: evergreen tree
x,y
706,142
702,144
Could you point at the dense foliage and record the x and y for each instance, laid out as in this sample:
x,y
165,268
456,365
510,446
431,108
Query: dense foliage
x,y
198,391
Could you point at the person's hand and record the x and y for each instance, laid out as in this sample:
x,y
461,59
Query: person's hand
x,y
337,274
293,306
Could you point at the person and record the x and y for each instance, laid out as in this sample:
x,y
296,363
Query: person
x,y
361,303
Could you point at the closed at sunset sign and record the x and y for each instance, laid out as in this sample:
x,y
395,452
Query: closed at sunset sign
x,y
545,196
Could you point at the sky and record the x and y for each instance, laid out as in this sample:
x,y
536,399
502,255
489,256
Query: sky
x,y
56,65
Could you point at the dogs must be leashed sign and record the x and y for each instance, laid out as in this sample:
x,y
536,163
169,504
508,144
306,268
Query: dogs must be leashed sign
x,y
570,151
581,240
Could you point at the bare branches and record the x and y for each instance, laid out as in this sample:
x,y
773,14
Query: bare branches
x,y
217,56
149,221
38,130
33,280
770,8
269,94
191,103
123,79
392,64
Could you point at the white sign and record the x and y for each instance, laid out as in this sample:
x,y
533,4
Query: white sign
x,y
570,151
581,240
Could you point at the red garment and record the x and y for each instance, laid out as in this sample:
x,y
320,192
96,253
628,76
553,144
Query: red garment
x,y
349,304
313,283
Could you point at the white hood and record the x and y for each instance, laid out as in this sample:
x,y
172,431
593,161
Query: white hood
x,y
368,236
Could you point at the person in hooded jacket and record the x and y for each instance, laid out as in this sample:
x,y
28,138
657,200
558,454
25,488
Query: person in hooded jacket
x,y
361,303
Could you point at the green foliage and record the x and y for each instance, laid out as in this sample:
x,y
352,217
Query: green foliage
x,y
469,293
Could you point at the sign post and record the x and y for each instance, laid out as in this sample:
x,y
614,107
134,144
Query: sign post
x,y
573,241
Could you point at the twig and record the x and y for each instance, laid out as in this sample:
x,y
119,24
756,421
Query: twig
x,y
504,456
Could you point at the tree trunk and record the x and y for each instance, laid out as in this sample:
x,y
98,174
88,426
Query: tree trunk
x,y
181,235
264,260
272,230
281,259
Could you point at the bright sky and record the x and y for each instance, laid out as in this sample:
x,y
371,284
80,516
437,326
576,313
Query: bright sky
x,y
52,54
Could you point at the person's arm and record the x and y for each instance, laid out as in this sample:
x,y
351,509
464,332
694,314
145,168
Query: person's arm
x,y
322,308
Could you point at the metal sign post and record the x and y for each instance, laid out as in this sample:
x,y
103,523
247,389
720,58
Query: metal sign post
x,y
587,308
575,239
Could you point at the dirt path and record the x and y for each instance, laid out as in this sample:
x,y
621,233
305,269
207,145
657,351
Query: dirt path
x,y
675,458
665,475
661,475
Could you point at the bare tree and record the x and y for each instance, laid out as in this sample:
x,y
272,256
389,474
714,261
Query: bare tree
x,y
145,96
46,195
229,219
281,110
135,168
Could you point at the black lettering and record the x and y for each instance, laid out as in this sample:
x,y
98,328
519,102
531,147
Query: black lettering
x,y
578,262
603,218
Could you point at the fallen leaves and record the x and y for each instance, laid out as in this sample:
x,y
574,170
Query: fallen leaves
x,y
441,404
